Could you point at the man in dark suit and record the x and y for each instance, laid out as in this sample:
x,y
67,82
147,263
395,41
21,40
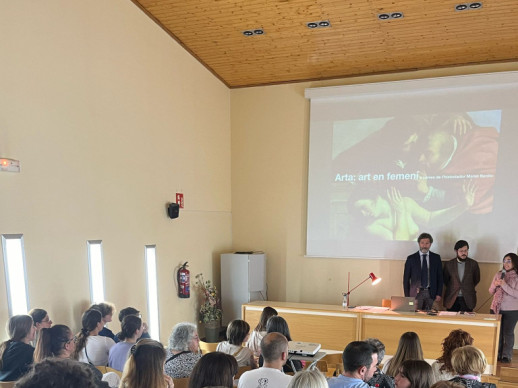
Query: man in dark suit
x,y
461,275
423,277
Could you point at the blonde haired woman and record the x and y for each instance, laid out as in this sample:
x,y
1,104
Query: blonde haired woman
x,y
469,363
310,378
145,367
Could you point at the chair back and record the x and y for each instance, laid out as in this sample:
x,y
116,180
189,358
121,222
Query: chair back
x,y
181,383
208,347
241,370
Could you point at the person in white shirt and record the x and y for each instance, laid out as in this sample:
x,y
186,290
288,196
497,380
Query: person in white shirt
x,y
92,348
274,349
254,342
238,332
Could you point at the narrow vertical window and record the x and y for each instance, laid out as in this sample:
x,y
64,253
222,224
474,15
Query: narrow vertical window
x,y
95,265
15,274
152,292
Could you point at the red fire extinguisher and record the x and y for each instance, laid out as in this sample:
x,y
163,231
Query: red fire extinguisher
x,y
184,279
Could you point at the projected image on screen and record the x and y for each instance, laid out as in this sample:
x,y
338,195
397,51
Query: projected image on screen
x,y
390,160
409,174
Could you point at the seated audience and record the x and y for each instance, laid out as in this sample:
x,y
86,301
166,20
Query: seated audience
x,y
107,310
91,347
52,373
16,354
311,378
254,342
59,342
214,369
360,360
442,369
278,324
183,351
131,330
237,333
133,311
409,348
414,374
145,367
379,379
469,363
274,350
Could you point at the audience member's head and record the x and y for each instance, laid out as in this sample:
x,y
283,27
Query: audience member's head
x,y
265,315
237,332
379,346
456,339
41,319
128,311
57,341
54,372
274,348
131,326
278,324
106,309
214,369
184,337
20,328
414,374
409,348
145,365
310,378
360,359
468,360
91,324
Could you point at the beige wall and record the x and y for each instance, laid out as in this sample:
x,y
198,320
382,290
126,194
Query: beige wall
x,y
109,117
270,131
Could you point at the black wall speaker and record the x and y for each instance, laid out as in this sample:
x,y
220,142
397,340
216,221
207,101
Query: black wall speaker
x,y
173,210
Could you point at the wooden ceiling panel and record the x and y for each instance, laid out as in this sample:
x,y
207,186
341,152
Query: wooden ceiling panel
x,y
431,34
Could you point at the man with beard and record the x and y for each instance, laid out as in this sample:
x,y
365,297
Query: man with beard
x,y
422,277
461,275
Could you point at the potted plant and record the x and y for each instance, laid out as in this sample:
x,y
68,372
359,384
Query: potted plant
x,y
210,309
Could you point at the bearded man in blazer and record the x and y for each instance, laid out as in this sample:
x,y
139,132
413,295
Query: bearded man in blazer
x,y
421,267
461,275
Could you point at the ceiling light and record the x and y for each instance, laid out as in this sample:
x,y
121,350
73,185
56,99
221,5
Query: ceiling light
x,y
312,25
324,23
475,5
396,15
383,16
461,7
259,31
248,33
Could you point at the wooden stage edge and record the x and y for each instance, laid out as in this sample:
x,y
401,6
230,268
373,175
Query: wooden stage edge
x,y
334,327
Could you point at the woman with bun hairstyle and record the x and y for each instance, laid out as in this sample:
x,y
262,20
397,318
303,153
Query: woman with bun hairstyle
x,y
504,288
91,347
16,354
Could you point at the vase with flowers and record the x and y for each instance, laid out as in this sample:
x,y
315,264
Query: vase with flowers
x,y
210,308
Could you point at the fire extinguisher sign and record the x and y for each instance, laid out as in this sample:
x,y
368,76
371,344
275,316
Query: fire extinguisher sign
x,y
179,199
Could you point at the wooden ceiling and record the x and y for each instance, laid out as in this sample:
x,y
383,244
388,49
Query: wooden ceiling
x,y
430,34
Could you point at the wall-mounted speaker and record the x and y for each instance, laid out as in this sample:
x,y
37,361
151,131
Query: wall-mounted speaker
x,y
173,210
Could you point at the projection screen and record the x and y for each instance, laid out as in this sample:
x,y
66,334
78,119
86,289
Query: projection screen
x,y
390,160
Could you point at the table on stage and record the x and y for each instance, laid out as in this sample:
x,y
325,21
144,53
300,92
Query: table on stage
x,y
334,327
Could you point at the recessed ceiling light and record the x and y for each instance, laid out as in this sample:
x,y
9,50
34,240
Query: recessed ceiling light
x,y
396,15
248,33
461,7
324,23
259,31
475,5
312,25
383,16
